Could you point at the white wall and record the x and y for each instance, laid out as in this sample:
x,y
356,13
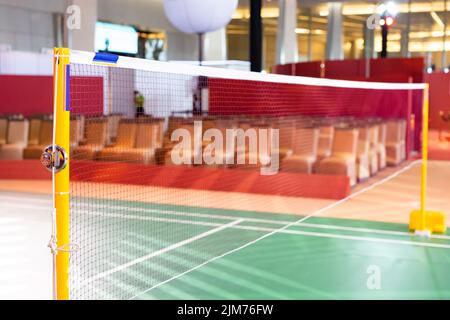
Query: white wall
x,y
165,93
26,29
21,62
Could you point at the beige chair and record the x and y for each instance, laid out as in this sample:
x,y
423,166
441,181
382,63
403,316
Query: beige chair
x,y
34,131
96,133
362,155
381,147
326,134
113,125
81,133
160,132
343,156
145,144
125,140
3,130
393,143
403,139
304,153
16,140
287,136
176,148
373,147
75,134
45,139
249,152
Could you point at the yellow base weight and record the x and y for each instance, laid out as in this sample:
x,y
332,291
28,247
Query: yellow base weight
x,y
434,221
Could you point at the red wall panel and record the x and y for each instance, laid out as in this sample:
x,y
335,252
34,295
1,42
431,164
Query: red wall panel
x,y
26,94
308,69
31,95
439,98
389,69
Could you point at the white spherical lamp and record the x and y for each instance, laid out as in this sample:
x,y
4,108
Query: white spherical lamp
x,y
199,16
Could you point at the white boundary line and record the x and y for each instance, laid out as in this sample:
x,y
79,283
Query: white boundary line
x,y
255,228
287,226
159,252
81,57
220,217
247,219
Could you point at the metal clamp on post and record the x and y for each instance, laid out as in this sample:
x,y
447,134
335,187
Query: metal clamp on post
x,y
54,158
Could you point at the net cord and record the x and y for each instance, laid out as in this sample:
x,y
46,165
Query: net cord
x,y
87,58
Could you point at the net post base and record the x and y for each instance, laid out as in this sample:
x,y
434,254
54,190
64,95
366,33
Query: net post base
x,y
434,222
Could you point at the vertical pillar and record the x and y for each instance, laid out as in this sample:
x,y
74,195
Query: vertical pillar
x,y
287,51
369,42
334,32
80,20
444,39
215,45
310,33
404,42
256,35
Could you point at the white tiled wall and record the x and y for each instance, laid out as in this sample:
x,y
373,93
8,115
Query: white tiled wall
x,y
26,29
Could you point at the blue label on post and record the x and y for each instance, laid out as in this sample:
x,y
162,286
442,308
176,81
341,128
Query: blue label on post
x,y
106,57
68,87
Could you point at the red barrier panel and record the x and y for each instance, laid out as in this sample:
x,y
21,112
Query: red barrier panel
x,y
23,170
228,180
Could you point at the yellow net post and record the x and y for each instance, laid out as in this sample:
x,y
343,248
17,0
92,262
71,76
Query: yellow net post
x,y
61,178
423,221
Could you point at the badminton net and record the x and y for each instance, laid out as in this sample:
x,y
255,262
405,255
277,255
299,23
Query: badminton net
x,y
173,166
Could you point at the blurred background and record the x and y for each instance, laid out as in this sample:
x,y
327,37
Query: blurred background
x,y
140,28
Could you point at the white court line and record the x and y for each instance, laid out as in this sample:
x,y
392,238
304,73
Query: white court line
x,y
26,199
24,206
224,217
254,228
258,220
159,252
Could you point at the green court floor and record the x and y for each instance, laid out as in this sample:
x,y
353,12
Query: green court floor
x,y
135,250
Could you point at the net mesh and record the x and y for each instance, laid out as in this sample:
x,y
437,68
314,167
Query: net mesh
x,y
171,170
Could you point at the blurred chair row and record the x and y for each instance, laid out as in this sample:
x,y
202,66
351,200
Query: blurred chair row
x,y
355,147
90,138
116,139
358,148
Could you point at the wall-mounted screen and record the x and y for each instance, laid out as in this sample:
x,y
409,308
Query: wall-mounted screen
x,y
116,38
